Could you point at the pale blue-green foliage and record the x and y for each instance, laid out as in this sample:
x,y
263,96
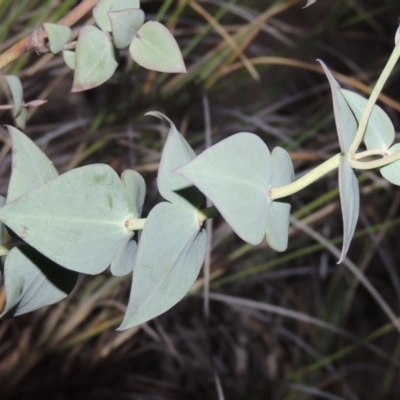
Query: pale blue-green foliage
x,y
58,36
279,212
30,166
346,125
16,92
237,174
77,220
32,281
95,59
173,244
391,172
125,24
154,47
379,134
69,58
100,12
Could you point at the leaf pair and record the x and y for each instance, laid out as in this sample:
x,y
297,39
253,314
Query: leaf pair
x,y
237,174
173,244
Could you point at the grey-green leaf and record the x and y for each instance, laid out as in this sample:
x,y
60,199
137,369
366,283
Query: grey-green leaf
x,y
16,92
125,23
153,47
100,12
95,60
2,202
171,252
21,118
30,166
176,153
125,260
279,214
58,36
346,123
350,203
33,282
135,188
379,134
391,172
69,58
235,174
77,220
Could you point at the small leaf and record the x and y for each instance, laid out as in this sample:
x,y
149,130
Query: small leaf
x,y
58,36
100,12
309,3
380,130
153,47
69,58
124,261
350,202
346,123
176,153
33,282
235,174
30,166
171,252
77,220
135,188
16,92
279,214
95,59
391,172
21,118
125,23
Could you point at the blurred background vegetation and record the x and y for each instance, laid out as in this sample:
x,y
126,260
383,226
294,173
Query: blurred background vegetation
x,y
282,326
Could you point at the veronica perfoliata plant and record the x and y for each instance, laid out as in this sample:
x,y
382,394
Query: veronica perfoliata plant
x,y
86,220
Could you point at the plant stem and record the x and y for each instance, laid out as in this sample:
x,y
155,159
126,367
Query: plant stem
x,y
206,213
135,224
374,96
35,41
363,165
307,179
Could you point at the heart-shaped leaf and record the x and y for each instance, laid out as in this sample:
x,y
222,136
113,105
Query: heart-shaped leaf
x,y
100,12
391,172
32,281
346,123
95,60
176,153
135,188
171,252
379,134
350,203
16,92
69,58
279,214
125,260
153,47
235,174
30,166
77,220
125,23
58,36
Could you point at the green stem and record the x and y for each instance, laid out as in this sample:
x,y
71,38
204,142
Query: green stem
x,y
374,96
3,251
363,165
135,224
307,179
206,213
369,153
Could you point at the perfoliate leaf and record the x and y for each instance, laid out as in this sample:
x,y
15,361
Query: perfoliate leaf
x,y
95,60
125,23
153,47
346,123
125,260
279,213
235,174
77,220
380,130
171,252
16,92
176,153
391,172
32,281
58,36
100,12
350,203
135,188
69,58
30,166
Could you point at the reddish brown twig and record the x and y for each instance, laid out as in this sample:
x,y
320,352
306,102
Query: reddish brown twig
x,y
35,41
